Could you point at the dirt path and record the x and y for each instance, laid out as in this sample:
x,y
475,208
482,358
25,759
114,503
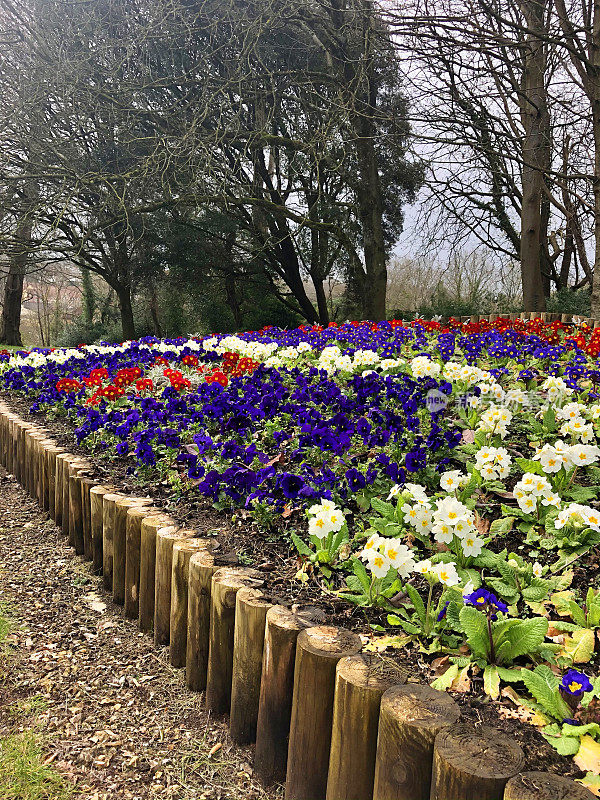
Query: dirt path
x,y
118,720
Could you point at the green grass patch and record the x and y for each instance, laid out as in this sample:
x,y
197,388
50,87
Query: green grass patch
x,y
23,774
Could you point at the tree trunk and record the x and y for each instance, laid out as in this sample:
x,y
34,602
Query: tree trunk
x,y
534,112
126,309
595,309
10,332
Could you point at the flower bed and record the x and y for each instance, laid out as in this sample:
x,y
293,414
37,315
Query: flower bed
x,y
443,479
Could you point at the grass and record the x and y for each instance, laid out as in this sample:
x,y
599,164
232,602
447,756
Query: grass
x,y
24,775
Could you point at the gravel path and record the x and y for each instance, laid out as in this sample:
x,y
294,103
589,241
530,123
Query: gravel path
x,y
119,722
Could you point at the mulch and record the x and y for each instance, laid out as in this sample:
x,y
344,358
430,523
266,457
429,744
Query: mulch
x,y
116,718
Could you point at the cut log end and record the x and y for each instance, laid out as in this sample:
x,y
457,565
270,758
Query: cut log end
x,y
543,786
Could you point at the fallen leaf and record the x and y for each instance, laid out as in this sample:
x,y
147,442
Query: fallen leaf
x,y
588,757
214,749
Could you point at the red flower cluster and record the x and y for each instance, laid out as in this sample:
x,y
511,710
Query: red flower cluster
x,y
96,377
144,385
235,366
125,377
176,379
68,385
190,361
216,376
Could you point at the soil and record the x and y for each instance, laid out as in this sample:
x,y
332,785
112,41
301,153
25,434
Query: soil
x,y
245,544
116,719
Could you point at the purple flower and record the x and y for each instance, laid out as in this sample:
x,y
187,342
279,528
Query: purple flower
x,y
575,683
484,599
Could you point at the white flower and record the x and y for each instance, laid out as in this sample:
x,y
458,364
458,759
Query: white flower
x,y
394,491
550,458
379,564
537,569
372,546
417,492
442,533
583,455
423,567
450,510
400,557
452,479
472,545
447,574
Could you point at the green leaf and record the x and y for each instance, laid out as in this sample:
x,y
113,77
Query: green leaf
x,y
535,593
580,646
417,602
474,625
382,507
564,745
502,525
527,465
361,573
543,685
576,612
581,494
300,546
446,680
549,419
580,730
526,637
491,681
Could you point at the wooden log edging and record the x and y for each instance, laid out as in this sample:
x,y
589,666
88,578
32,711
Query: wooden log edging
x,y
299,679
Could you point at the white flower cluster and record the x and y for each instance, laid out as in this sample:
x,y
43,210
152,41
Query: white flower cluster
x,y
493,462
532,489
424,367
258,351
452,479
382,553
445,518
445,573
556,389
553,457
326,517
469,375
579,516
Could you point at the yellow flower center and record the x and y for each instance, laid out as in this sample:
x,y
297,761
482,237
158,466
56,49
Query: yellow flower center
x,y
574,686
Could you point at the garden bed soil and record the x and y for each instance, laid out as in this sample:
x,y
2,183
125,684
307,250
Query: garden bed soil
x,y
274,557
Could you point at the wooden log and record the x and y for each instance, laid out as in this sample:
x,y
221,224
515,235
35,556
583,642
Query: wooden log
x,y
318,651
76,536
360,682
226,583
122,507
148,530
276,688
251,608
165,539
51,455
109,503
133,537
42,472
61,460
96,495
178,625
410,718
202,568
86,485
544,786
473,763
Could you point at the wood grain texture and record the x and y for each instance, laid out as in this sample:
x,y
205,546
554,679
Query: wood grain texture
x,y
96,515
148,530
276,689
543,786
473,763
360,682
251,608
178,626
133,538
318,651
226,583
109,502
202,568
165,539
410,718
122,507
